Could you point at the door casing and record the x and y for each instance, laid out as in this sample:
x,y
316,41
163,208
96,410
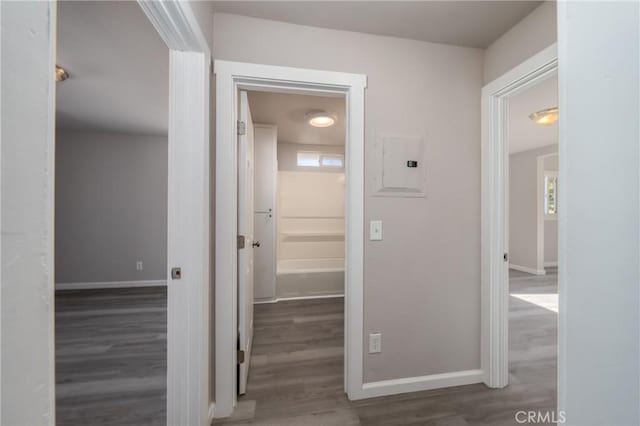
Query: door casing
x,y
230,78
494,339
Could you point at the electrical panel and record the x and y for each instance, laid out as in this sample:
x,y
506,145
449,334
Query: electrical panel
x,y
401,167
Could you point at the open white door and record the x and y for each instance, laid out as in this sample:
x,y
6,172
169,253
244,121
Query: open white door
x,y
245,231
266,176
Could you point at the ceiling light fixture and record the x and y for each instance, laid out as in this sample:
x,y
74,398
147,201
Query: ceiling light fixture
x,y
320,119
545,117
61,73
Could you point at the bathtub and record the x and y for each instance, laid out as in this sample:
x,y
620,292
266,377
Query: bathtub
x,y
309,277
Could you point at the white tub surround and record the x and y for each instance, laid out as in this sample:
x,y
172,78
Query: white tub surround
x,y
300,278
310,234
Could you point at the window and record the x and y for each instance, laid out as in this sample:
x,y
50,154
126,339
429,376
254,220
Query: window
x,y
317,159
550,194
308,159
332,160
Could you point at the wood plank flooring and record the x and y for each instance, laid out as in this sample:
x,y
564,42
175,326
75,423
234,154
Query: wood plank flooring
x,y
111,366
296,376
111,357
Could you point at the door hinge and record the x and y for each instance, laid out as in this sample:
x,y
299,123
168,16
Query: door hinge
x,y
240,241
242,128
506,257
240,357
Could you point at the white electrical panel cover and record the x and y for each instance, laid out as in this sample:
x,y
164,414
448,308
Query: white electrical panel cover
x,y
402,167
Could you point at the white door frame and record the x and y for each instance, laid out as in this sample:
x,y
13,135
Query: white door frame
x,y
188,216
495,204
230,77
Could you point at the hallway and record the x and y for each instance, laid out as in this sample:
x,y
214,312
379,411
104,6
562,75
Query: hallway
x,y
296,372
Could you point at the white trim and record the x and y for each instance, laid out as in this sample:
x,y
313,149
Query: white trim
x,y
527,269
230,77
420,383
176,24
495,163
212,412
188,216
286,299
110,284
551,264
188,240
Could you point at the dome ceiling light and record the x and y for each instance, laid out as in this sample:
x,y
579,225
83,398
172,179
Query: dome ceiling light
x,y
545,117
320,119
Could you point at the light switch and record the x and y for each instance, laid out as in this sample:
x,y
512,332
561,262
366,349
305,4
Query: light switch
x,y
375,230
375,343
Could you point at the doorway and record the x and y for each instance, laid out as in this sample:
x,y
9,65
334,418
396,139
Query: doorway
x,y
531,218
496,258
111,189
231,79
291,184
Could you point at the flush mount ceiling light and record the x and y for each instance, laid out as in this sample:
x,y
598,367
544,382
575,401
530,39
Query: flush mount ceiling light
x,y
545,117
320,119
61,73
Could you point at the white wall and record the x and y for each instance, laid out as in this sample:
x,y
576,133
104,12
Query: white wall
x,y
528,37
422,283
111,207
27,153
599,341
523,206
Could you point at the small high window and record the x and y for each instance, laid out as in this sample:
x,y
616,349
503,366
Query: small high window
x,y
317,159
308,159
332,160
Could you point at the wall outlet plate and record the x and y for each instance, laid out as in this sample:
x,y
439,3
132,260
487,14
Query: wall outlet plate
x,y
375,230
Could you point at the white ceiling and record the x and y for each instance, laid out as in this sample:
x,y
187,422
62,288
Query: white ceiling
x,y
118,67
462,23
287,111
524,134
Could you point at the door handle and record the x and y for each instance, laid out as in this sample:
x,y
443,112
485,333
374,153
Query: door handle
x,y
256,244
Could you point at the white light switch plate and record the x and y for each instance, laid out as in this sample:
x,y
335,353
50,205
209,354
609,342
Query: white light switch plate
x,y
375,230
375,343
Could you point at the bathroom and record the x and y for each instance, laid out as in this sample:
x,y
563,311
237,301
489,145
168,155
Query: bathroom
x,y
294,145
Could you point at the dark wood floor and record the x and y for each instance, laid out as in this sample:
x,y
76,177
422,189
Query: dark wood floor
x,y
111,357
111,365
296,373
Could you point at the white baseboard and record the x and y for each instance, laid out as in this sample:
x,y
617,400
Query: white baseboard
x,y
551,264
110,284
284,299
212,410
527,270
420,383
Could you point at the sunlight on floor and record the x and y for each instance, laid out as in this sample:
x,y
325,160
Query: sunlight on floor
x,y
545,300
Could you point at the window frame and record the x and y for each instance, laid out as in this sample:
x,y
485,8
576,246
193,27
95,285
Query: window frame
x,y
321,156
550,174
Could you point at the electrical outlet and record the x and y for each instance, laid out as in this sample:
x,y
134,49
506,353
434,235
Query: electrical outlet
x,y
375,343
375,230
139,265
